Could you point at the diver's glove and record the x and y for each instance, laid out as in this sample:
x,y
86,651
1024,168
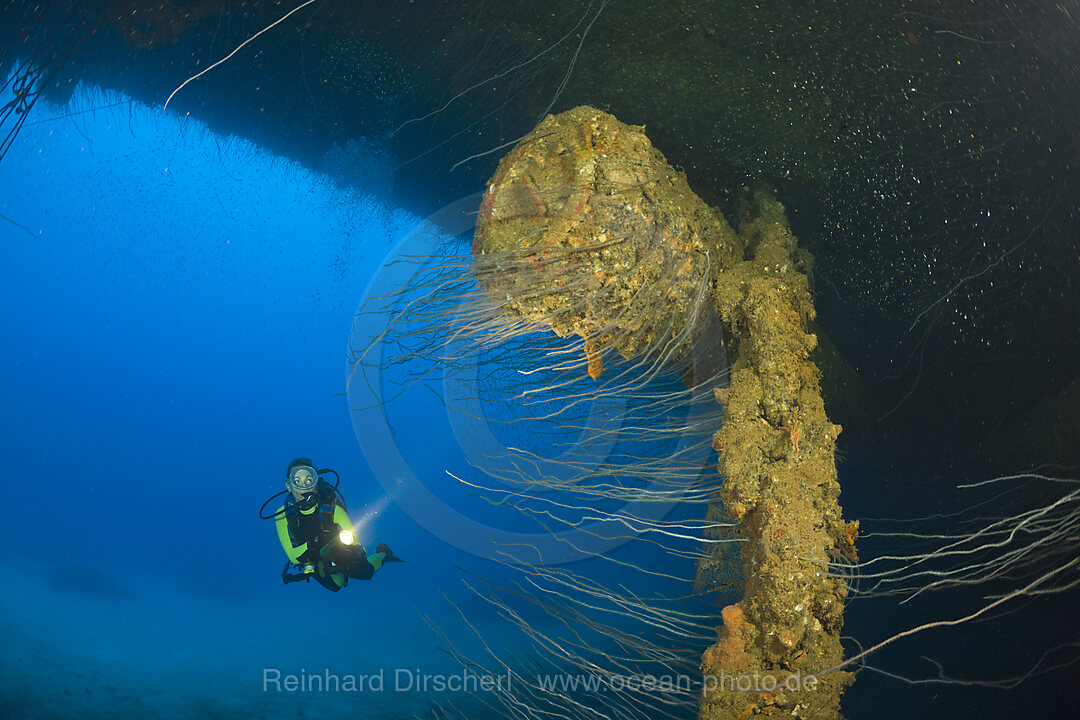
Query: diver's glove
x,y
324,538
316,543
313,554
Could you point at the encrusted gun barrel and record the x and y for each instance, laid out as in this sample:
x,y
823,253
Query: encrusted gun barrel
x,y
587,230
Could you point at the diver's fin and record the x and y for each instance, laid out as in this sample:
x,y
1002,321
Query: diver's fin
x,y
388,554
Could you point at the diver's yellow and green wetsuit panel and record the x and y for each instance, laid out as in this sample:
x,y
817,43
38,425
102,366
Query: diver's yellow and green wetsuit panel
x,y
295,551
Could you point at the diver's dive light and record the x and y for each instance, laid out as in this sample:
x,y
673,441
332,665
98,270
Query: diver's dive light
x,y
340,549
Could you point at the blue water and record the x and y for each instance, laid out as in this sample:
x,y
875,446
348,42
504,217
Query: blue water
x,y
175,314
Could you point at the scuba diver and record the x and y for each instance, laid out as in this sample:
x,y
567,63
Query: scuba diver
x,y
315,531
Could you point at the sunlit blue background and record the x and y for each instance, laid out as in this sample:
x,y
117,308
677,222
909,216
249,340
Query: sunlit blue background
x,y
175,314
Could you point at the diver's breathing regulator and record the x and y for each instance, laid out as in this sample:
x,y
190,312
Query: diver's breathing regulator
x,y
307,480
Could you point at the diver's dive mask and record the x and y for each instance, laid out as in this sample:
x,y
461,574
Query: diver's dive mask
x,y
301,482
302,478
